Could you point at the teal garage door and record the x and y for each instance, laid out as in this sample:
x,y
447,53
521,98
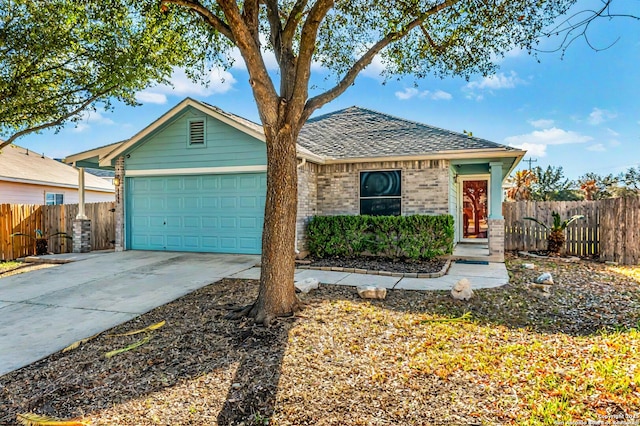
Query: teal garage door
x,y
205,213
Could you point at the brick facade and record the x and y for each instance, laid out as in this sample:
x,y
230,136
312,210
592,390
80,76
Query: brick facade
x,y
307,202
334,189
496,238
425,186
81,236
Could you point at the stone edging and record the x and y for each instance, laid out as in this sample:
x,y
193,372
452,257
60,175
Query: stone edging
x,y
440,273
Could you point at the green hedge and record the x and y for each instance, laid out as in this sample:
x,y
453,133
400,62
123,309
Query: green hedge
x,y
394,237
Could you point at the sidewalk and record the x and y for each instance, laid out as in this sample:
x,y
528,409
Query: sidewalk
x,y
481,276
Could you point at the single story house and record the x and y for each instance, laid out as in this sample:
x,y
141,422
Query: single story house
x,y
195,179
27,177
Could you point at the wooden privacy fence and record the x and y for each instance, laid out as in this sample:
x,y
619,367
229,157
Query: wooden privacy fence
x,y
609,229
26,218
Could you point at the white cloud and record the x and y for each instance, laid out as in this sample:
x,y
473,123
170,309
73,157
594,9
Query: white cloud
x,y
91,117
599,116
220,81
596,147
613,132
147,97
496,82
541,124
438,95
407,93
614,142
410,92
537,141
374,69
534,150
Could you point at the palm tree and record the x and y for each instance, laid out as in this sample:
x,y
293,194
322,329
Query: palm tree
x,y
556,238
521,189
589,187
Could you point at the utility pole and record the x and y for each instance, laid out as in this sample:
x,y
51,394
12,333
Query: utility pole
x,y
530,160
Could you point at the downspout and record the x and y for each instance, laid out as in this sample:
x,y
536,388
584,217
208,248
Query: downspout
x,y
297,252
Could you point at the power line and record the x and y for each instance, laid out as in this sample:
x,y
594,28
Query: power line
x,y
530,160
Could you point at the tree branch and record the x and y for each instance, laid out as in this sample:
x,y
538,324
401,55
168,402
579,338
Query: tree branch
x,y
250,15
321,99
261,84
208,16
57,122
307,46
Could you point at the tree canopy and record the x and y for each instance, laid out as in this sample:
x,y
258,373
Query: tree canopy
x,y
58,58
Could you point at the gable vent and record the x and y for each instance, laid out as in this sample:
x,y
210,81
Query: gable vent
x,y
196,132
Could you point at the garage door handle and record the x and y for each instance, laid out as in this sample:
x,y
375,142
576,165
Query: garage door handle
x,y
164,223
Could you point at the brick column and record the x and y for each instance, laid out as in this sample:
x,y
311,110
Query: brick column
x,y
81,236
496,239
120,205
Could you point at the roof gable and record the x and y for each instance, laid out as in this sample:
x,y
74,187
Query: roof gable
x,y
246,126
357,132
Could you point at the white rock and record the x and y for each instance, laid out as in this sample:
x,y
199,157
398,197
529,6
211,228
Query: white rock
x,y
544,287
462,290
572,259
307,285
545,278
372,292
528,266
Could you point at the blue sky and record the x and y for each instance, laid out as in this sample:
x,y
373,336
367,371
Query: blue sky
x,y
581,112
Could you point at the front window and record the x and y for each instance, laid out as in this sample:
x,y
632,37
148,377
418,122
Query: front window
x,y
53,199
381,193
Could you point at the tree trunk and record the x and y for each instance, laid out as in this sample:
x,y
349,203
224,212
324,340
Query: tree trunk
x,y
277,296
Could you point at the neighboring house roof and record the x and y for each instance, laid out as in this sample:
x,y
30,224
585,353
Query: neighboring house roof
x,y
356,132
20,165
101,172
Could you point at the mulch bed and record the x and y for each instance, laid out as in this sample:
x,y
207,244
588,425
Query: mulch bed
x,y
406,360
378,264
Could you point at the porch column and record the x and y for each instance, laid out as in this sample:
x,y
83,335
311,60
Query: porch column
x,y
81,224
120,205
495,209
495,221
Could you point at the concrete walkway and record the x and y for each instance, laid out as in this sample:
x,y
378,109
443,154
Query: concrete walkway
x,y
43,311
480,275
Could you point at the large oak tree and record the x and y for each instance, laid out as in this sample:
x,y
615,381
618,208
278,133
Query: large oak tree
x,y
416,37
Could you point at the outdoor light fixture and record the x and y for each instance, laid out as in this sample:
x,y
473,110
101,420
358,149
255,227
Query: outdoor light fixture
x,y
116,181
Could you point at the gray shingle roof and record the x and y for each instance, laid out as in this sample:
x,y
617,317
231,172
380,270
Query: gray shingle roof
x,y
360,133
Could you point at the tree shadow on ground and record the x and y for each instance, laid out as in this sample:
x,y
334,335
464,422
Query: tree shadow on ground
x,y
197,352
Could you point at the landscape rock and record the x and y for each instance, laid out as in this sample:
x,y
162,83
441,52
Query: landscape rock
x,y
528,266
306,285
545,278
611,263
462,290
546,288
572,259
372,292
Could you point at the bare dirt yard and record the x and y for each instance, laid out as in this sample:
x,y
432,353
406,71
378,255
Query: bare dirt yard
x,y
511,355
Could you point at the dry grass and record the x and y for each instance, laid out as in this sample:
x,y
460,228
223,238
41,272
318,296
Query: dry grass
x,y
13,267
521,359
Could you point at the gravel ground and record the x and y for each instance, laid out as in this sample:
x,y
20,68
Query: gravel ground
x,y
509,356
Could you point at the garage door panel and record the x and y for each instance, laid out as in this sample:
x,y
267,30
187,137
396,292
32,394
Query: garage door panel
x,y
212,213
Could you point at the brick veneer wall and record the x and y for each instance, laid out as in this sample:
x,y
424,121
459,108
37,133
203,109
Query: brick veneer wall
x,y
425,186
307,201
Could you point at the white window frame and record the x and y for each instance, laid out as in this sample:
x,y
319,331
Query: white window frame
x,y
55,198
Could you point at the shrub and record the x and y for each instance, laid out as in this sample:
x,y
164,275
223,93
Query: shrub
x,y
395,237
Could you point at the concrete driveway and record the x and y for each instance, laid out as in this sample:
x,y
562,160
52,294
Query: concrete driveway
x,y
43,311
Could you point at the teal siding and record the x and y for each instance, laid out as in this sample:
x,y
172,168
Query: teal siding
x,y
166,148
210,213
